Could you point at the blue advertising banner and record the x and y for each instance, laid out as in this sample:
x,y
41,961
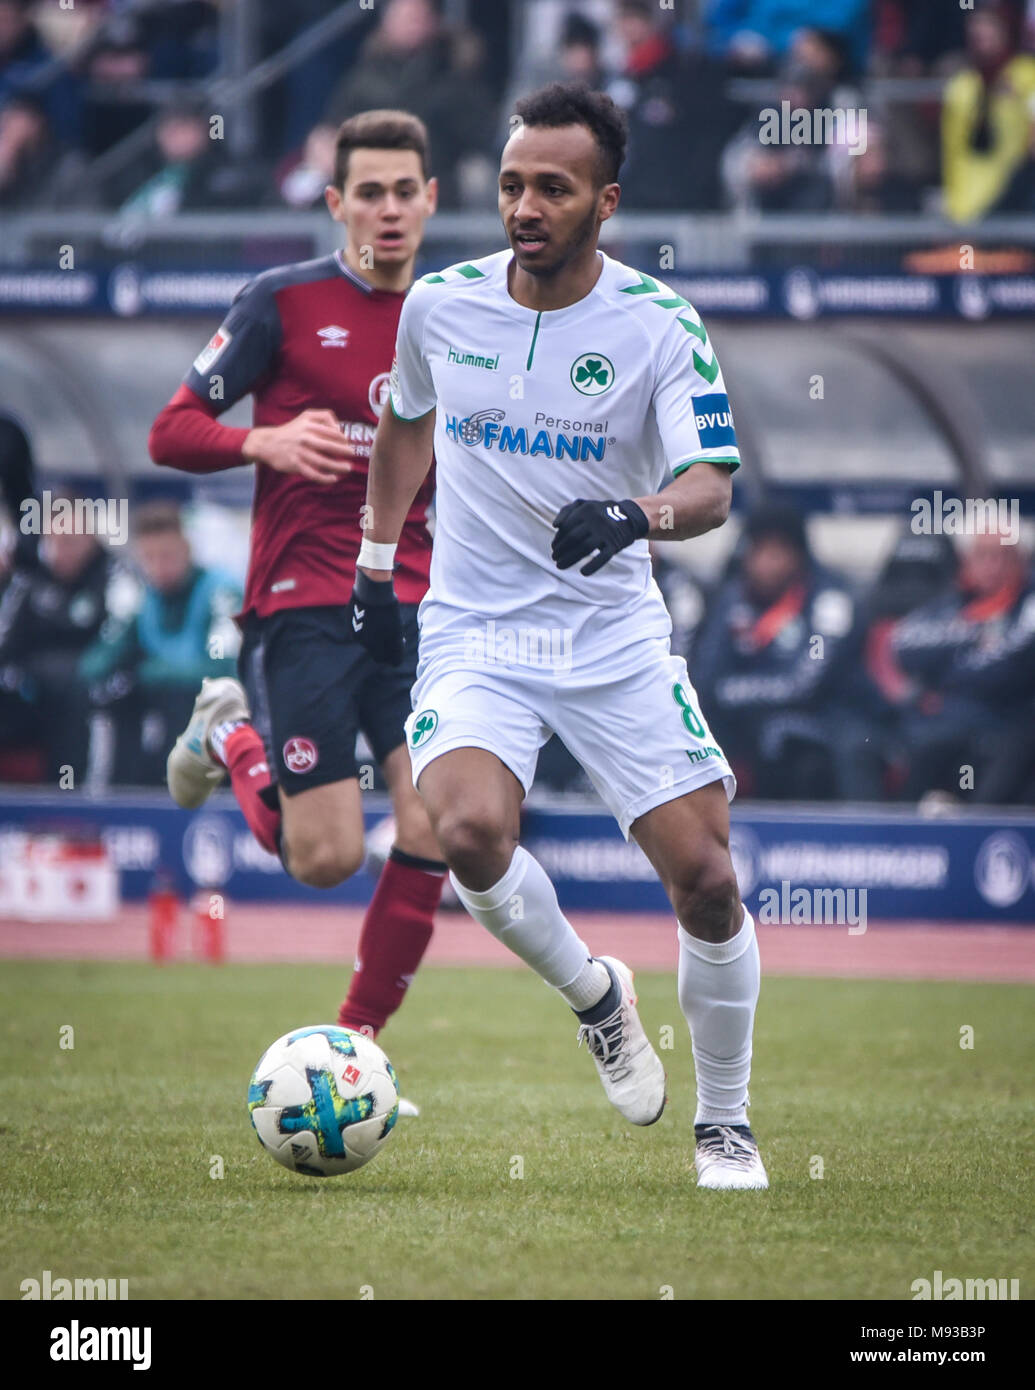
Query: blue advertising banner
x,y
801,292
965,868
968,869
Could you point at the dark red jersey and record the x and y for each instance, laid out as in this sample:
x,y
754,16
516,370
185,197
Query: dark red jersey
x,y
300,337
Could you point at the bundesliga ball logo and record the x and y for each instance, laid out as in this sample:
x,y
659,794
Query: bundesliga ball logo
x,y
300,755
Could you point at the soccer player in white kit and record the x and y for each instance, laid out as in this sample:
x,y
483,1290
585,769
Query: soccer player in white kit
x,y
577,410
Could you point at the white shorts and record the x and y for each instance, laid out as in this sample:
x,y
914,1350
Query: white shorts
x,y
641,738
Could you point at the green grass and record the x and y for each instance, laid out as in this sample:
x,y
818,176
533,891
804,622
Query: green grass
x,y
926,1147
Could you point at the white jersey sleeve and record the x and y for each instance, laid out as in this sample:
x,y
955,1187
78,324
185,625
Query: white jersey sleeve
x,y
691,406
411,385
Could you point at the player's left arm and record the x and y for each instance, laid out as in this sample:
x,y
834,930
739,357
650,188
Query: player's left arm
x,y
698,501
695,425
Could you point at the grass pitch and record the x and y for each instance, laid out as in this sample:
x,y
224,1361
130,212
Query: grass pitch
x,y
518,1181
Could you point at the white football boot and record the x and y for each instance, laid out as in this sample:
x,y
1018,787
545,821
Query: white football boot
x,y
727,1157
191,772
407,1109
629,1068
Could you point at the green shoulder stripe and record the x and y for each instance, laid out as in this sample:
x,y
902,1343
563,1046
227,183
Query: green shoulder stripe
x,y
666,298
406,419
709,370
731,464
645,286
694,328
445,277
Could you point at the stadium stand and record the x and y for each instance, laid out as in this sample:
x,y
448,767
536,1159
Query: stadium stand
x,y
800,258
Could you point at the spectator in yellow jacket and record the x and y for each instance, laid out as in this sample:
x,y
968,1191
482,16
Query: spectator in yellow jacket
x,y
987,117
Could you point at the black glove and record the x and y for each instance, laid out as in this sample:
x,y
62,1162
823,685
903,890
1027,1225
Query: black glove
x,y
607,527
377,619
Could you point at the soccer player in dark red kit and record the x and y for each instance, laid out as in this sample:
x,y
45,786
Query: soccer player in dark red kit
x,y
313,343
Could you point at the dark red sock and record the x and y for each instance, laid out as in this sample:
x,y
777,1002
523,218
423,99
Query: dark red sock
x,y
245,759
396,931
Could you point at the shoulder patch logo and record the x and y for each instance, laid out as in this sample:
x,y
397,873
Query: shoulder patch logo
x,y
333,336
213,349
379,389
592,374
714,421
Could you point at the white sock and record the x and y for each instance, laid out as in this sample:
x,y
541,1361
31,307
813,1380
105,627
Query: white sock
x,y
588,987
718,991
219,735
521,910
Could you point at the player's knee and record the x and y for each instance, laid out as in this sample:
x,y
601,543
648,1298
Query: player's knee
x,y
705,896
413,833
475,844
320,864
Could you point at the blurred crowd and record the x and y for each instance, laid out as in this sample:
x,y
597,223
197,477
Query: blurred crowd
x,y
101,651
920,686
103,103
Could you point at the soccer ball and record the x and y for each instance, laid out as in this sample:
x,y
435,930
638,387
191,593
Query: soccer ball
x,y
323,1100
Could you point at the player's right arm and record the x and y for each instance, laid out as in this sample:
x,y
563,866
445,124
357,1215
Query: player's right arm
x,y
243,351
399,463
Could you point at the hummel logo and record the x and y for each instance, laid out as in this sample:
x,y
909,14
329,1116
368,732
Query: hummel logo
x,y
333,336
357,619
616,514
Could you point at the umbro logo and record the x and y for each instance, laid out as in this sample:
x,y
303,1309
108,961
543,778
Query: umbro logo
x,y
333,336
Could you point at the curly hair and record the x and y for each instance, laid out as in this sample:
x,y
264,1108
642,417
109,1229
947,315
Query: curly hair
x,y
563,103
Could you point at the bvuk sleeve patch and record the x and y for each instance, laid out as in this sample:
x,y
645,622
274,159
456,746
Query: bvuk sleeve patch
x,y
714,421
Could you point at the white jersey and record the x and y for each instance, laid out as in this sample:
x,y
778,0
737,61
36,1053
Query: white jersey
x,y
610,397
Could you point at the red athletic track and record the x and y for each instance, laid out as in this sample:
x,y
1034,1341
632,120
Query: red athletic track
x,y
647,942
